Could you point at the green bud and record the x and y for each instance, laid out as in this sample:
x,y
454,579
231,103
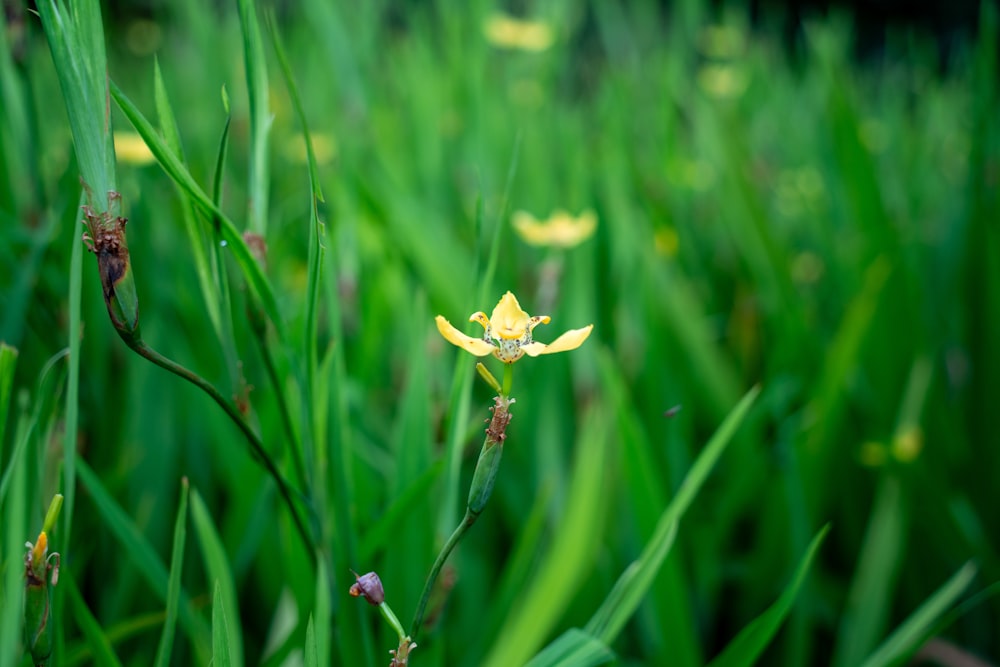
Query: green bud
x,y
38,598
489,458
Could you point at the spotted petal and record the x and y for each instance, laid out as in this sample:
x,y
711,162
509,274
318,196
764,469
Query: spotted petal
x,y
570,340
476,346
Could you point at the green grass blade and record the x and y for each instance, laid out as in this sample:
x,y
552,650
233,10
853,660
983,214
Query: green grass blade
x,y
15,533
573,648
76,40
748,645
174,583
42,405
317,250
172,138
565,565
909,636
182,177
217,565
221,638
100,647
628,592
310,656
8,362
868,606
72,416
260,116
322,640
136,547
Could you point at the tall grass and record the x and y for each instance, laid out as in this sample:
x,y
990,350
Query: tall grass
x,y
323,180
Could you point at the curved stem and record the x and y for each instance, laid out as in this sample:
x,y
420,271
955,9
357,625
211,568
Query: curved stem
x,y
467,521
257,447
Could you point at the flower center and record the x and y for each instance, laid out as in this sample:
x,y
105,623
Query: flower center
x,y
508,350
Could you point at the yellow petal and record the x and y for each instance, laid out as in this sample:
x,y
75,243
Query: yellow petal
x,y
476,346
570,340
508,320
561,230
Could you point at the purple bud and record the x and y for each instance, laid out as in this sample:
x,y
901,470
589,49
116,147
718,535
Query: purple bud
x,y
368,586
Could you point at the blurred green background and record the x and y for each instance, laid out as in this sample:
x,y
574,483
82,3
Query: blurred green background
x,y
790,217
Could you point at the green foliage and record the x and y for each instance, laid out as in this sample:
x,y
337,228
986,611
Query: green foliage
x,y
799,220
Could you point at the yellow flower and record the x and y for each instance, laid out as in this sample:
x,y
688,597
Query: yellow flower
x,y
561,230
131,149
510,33
508,333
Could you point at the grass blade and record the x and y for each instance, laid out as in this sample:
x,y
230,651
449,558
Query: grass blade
x,y
866,614
746,648
260,117
310,657
630,588
101,651
137,548
8,362
564,566
221,639
174,583
909,636
217,565
573,648
182,177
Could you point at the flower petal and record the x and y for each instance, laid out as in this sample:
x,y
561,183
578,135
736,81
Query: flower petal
x,y
508,320
570,340
476,346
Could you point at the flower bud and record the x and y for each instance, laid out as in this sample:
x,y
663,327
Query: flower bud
x,y
489,458
38,598
368,586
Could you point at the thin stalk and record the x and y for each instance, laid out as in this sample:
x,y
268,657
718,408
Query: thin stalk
x,y
286,416
144,350
456,537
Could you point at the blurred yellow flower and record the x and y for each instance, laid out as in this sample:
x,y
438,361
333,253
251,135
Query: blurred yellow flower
x,y
131,149
508,32
907,444
561,230
324,148
723,82
666,241
508,333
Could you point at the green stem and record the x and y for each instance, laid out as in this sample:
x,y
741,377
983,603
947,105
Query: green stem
x,y
508,379
257,447
286,415
467,521
392,620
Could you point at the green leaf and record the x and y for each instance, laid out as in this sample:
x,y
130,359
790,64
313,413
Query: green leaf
x,y
179,173
217,564
635,581
565,565
260,117
321,639
101,651
200,258
573,648
310,657
866,612
911,635
174,583
221,639
137,549
746,648
8,362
